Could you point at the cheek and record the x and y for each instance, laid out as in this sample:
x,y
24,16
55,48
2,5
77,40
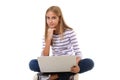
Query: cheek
x,y
47,21
57,21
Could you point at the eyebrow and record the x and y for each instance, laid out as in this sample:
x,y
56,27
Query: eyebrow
x,y
51,17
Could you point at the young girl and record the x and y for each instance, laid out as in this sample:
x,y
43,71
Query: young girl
x,y
62,39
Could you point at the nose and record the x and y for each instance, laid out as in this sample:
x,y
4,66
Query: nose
x,y
50,20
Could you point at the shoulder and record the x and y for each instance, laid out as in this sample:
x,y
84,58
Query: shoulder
x,y
69,31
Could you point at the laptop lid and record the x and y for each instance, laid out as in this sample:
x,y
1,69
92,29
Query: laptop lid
x,y
49,64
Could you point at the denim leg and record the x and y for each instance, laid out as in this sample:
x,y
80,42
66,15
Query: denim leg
x,y
86,65
65,75
33,65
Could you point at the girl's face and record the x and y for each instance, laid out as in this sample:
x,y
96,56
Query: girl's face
x,y
52,19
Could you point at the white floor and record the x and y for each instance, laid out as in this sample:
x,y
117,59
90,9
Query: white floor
x,y
96,23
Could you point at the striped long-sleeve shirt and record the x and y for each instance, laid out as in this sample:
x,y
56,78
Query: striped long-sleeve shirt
x,y
68,45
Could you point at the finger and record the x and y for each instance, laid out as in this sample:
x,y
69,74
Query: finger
x,y
52,28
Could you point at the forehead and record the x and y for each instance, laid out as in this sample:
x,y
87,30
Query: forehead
x,y
50,13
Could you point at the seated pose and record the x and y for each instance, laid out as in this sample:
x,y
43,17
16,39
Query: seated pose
x,y
62,40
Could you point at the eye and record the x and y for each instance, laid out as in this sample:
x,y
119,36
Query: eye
x,y
47,17
54,17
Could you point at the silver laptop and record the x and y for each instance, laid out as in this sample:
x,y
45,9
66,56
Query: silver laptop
x,y
49,64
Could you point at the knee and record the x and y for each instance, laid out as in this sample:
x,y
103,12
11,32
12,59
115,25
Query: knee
x,y
86,64
32,63
89,62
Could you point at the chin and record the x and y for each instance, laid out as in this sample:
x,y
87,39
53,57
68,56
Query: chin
x,y
52,27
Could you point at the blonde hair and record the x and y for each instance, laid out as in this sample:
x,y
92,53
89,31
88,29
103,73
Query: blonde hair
x,y
62,25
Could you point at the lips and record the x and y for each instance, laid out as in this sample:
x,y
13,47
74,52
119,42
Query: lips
x,y
51,25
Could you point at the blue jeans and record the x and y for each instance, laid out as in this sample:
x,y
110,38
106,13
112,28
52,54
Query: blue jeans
x,y
84,64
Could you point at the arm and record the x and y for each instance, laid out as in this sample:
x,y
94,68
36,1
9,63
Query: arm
x,y
75,45
74,42
48,40
78,59
46,50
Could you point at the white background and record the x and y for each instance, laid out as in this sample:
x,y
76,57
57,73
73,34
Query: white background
x,y
96,23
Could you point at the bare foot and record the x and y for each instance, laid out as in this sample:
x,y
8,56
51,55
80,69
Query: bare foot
x,y
53,77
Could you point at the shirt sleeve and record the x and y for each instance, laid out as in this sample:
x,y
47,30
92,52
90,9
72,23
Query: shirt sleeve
x,y
75,44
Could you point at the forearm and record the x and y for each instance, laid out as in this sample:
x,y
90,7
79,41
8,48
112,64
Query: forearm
x,y
76,68
77,60
46,50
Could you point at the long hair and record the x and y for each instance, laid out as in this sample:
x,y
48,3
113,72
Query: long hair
x,y
62,25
